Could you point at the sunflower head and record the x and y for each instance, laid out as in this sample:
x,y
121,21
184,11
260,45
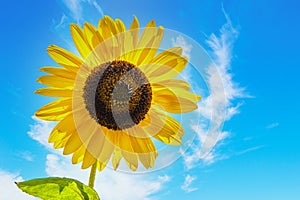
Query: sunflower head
x,y
116,96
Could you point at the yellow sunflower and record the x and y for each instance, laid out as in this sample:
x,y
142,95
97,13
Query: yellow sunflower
x,y
115,97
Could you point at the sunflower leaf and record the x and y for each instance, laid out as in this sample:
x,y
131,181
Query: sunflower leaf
x,y
58,188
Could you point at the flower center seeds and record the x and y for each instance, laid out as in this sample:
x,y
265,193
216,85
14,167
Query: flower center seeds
x,y
117,95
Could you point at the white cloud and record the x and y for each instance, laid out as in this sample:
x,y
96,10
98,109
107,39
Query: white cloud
x,y
41,130
220,105
9,190
187,184
273,125
186,47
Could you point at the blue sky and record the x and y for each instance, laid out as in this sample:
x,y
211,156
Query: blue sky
x,y
258,154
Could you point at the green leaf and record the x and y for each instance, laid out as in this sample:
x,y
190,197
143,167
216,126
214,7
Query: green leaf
x,y
58,188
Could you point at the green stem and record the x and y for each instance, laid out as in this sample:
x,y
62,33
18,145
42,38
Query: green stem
x,y
92,175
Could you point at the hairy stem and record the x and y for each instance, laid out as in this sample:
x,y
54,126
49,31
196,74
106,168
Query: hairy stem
x,y
93,175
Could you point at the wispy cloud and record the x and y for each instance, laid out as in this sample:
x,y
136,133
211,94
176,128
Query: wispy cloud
x,y
221,104
26,155
273,125
187,184
200,152
248,150
12,90
97,6
77,8
61,23
108,181
8,188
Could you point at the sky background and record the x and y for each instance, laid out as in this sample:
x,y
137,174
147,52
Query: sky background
x,y
255,47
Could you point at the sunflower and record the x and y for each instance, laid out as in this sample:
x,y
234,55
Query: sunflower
x,y
115,97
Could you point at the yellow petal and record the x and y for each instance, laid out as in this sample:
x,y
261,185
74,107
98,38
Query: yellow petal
x,y
62,142
176,91
80,41
104,29
62,132
128,45
55,92
135,140
56,81
120,26
125,145
111,43
162,127
101,166
117,156
167,69
171,133
60,72
97,39
100,147
91,34
139,140
134,30
131,41
124,142
111,24
64,58
58,135
163,63
146,151
152,39
131,160
73,144
55,110
88,160
172,102
177,106
149,43
172,83
78,155
148,36
66,125
167,54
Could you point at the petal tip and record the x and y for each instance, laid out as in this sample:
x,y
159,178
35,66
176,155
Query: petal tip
x,y
199,97
38,91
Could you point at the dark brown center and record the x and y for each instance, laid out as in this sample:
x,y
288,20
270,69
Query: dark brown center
x,y
117,95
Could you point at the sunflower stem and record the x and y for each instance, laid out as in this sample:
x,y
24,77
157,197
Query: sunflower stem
x,y
92,175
